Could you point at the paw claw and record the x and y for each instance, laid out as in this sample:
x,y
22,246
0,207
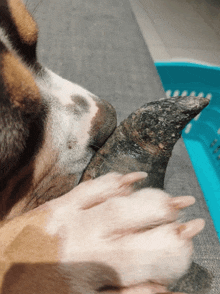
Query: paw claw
x,y
182,202
131,178
191,228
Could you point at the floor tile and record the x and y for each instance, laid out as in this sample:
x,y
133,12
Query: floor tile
x,y
181,30
195,55
159,53
209,10
179,25
148,30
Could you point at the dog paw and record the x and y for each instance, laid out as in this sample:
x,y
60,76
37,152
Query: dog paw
x,y
135,233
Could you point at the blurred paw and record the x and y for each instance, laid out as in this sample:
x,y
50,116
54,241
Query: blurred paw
x,y
135,233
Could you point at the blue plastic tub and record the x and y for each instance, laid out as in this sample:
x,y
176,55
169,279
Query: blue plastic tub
x,y
202,135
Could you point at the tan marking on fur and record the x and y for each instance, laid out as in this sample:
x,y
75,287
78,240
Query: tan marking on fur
x,y
6,195
42,180
40,169
26,26
24,240
20,84
47,155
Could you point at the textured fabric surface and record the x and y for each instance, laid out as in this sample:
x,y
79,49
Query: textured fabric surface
x,y
97,44
181,180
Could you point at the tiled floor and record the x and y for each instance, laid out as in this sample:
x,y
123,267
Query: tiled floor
x,y
183,30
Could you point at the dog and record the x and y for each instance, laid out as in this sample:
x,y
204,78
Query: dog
x,y
101,235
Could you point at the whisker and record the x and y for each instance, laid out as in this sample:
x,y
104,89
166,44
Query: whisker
x,y
36,7
27,3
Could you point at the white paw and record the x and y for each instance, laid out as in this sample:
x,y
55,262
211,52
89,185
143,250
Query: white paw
x,y
136,233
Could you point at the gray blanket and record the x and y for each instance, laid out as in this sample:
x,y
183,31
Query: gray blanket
x,y
98,44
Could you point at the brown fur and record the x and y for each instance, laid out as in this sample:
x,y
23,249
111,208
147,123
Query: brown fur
x,y
25,24
20,84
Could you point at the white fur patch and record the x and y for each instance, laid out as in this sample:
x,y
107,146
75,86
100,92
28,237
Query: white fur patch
x,y
4,39
62,89
70,131
132,234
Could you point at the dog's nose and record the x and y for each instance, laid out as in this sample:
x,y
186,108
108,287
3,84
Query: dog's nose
x,y
103,123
